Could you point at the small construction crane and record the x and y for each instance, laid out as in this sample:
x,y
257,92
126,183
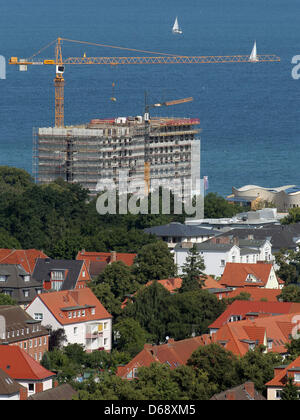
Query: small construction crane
x,y
159,58
147,165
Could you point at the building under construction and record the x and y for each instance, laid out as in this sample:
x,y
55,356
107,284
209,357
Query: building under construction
x,y
156,149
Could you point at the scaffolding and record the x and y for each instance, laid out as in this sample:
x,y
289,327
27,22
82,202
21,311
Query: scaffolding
x,y
99,150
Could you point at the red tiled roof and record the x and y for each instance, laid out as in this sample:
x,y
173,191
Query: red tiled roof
x,y
235,274
279,379
243,307
19,365
257,293
277,328
126,258
59,302
174,353
26,258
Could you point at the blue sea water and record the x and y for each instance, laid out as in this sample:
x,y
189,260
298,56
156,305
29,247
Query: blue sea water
x,y
249,113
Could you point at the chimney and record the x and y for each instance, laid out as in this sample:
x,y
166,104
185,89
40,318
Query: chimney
x,y
230,395
171,342
249,387
23,393
113,257
235,241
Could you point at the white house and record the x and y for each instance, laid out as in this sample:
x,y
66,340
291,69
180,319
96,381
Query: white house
x,y
81,315
217,254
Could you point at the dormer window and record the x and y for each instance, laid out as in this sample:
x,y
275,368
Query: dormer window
x,y
26,278
57,275
3,278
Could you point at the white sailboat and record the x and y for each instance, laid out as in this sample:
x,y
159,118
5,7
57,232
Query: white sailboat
x,y
253,55
176,29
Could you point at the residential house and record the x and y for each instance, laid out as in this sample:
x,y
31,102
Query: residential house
x,y
255,293
18,284
241,310
281,375
11,390
176,233
61,274
24,257
97,261
244,392
215,256
273,332
81,315
280,236
240,275
62,392
173,354
21,367
18,328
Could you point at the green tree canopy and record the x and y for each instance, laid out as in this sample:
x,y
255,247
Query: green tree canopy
x,y
129,336
193,276
154,262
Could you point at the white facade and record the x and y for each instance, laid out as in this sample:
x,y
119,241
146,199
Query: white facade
x,y
92,334
30,385
214,261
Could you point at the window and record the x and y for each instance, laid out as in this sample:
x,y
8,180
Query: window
x,y
93,311
105,325
222,263
57,275
26,293
69,315
297,377
75,330
2,278
278,394
26,278
105,341
31,387
25,345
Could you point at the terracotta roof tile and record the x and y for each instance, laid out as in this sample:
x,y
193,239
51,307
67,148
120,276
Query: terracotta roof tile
x,y
26,258
19,365
235,274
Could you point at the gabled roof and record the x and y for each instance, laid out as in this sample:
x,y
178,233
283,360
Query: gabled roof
x,y
58,303
240,393
105,257
26,258
72,269
281,372
16,319
173,354
62,392
180,230
238,335
8,386
15,282
235,274
256,293
19,365
243,308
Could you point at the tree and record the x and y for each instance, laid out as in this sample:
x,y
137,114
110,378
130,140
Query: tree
x,y
193,276
289,266
216,206
150,309
7,241
106,297
218,363
290,391
129,336
154,262
292,217
258,367
6,300
120,279
290,293
56,338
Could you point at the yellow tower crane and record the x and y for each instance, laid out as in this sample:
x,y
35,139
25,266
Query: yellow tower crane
x,y
158,58
151,58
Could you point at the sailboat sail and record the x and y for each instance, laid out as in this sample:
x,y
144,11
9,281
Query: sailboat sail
x,y
176,29
253,55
